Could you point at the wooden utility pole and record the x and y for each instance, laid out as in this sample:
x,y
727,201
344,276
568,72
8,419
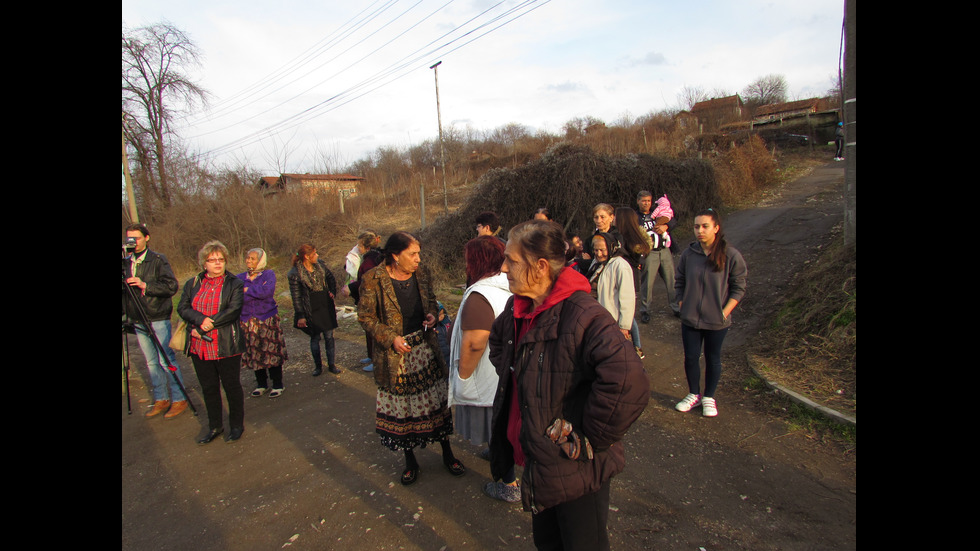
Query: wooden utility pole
x,y
134,217
442,147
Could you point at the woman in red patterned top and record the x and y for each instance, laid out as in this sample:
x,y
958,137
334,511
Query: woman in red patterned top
x,y
211,304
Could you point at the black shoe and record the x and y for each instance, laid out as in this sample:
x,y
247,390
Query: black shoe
x,y
317,371
644,318
211,435
334,369
235,434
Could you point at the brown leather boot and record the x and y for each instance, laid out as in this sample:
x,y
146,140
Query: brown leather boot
x,y
176,409
159,407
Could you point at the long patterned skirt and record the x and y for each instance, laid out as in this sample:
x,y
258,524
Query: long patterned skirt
x,y
265,345
415,411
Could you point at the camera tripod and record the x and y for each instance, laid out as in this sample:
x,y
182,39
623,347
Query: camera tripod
x,y
143,319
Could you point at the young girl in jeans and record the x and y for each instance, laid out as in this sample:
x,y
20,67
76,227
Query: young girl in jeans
x,y
710,282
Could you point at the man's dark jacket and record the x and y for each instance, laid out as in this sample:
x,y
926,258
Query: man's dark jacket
x,y
161,286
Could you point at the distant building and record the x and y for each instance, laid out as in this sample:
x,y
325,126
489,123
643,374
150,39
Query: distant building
x,y
791,109
311,184
715,112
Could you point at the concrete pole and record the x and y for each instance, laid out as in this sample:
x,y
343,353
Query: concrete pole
x,y
850,121
442,147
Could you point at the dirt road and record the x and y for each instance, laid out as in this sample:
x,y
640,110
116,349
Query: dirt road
x,y
310,473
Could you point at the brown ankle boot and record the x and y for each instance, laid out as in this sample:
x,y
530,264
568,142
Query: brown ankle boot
x,y
159,407
176,409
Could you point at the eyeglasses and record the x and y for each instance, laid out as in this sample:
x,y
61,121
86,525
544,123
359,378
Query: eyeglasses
x,y
215,261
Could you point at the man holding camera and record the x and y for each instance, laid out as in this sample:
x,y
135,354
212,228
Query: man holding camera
x,y
149,275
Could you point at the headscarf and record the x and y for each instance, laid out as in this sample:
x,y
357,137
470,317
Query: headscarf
x,y
260,265
612,246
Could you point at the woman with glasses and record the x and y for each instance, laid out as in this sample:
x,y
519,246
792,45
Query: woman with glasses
x,y
211,304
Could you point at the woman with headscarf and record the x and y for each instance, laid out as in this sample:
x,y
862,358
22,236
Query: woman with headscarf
x,y
312,288
398,308
211,304
265,346
472,378
611,280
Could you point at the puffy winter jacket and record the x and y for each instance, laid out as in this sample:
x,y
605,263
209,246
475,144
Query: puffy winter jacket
x,y
573,363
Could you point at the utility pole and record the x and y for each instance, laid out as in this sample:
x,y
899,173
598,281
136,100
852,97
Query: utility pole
x,y
442,147
129,179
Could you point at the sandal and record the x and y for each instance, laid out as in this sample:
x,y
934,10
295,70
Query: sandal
x,y
275,392
258,392
409,476
455,467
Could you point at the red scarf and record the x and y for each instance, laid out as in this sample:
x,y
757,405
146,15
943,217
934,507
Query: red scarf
x,y
525,315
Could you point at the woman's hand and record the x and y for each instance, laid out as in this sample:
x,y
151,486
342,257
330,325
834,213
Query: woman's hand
x,y
301,322
401,346
207,324
430,321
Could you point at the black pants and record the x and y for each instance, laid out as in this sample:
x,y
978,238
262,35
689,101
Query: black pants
x,y
262,377
579,524
215,375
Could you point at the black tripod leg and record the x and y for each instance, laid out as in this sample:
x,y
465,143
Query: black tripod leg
x,y
129,405
156,342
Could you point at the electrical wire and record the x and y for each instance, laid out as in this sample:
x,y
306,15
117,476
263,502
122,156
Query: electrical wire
x,y
386,76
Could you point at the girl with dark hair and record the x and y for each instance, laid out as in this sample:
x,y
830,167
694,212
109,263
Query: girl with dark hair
x,y
312,288
398,308
710,282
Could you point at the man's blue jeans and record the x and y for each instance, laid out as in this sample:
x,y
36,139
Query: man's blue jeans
x,y
157,363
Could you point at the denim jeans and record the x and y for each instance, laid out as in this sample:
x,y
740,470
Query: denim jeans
x,y
157,363
328,344
658,263
711,341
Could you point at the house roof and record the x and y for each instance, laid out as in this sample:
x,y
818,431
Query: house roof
x,y
715,103
329,177
788,106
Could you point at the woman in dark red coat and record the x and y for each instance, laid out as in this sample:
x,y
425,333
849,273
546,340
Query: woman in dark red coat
x,y
570,385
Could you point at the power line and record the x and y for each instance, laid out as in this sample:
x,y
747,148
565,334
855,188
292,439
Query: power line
x,y
412,61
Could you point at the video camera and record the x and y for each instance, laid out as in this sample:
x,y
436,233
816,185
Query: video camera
x,y
129,246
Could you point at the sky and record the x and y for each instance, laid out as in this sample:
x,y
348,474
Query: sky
x,y
300,86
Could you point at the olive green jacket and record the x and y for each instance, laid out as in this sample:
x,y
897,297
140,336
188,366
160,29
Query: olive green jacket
x,y
381,317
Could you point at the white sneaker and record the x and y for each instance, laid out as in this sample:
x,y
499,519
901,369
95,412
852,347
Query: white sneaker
x,y
709,408
688,402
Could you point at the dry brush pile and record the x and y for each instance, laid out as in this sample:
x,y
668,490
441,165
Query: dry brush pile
x,y
569,180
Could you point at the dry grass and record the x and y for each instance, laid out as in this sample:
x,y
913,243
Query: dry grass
x,y
812,344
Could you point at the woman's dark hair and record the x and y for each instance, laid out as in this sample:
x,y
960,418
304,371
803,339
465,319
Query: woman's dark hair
x,y
628,225
483,255
540,239
490,220
304,249
717,258
397,242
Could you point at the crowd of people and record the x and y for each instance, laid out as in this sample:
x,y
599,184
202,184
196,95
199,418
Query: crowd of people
x,y
542,367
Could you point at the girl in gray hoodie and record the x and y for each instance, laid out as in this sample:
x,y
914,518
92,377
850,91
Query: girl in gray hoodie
x,y
709,282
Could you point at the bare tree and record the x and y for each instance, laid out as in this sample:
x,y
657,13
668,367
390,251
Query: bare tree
x,y
690,96
766,90
155,89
